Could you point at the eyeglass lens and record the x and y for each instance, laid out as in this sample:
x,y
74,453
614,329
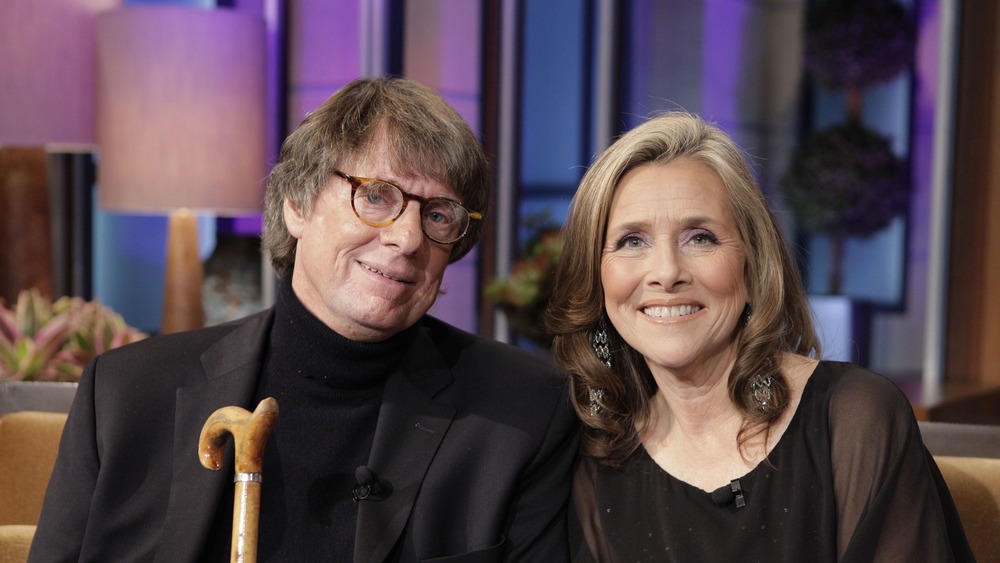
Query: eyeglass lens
x,y
381,203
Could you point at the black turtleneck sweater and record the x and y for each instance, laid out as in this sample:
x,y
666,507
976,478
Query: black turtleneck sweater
x,y
328,390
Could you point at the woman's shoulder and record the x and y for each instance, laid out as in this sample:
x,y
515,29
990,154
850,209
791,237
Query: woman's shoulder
x,y
860,399
844,381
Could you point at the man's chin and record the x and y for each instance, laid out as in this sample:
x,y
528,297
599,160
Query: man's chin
x,y
376,329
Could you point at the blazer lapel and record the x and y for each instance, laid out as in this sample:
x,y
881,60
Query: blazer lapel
x,y
410,428
232,367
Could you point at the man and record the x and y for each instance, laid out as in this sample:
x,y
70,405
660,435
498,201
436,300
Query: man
x,y
468,442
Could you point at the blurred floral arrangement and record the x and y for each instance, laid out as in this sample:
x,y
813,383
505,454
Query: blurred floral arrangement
x,y
41,340
524,295
846,180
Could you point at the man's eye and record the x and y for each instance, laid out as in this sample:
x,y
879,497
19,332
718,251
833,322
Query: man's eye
x,y
379,194
440,213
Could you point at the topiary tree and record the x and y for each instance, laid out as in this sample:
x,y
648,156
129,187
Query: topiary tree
x,y
845,180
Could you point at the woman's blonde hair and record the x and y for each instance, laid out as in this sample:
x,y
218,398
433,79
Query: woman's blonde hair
x,y
780,319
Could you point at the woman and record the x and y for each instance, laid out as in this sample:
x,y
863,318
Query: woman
x,y
712,430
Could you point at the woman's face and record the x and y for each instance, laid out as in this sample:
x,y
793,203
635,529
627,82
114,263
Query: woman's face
x,y
672,267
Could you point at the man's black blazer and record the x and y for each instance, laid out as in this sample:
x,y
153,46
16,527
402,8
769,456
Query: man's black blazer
x,y
476,439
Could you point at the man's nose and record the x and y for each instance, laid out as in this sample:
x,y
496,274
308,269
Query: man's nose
x,y
405,232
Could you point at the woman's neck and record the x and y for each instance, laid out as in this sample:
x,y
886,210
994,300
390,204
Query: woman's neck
x,y
692,429
693,399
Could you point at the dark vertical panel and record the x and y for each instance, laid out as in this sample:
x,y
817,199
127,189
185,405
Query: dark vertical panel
x,y
71,178
490,130
394,34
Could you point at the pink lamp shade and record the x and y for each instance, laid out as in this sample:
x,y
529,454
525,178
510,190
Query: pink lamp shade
x,y
47,59
180,109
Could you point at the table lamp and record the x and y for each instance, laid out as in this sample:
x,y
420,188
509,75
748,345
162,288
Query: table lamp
x,y
181,128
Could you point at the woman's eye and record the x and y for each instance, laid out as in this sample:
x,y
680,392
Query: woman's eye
x,y
703,238
630,241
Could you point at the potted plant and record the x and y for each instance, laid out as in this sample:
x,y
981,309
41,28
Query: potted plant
x,y
845,180
44,343
853,44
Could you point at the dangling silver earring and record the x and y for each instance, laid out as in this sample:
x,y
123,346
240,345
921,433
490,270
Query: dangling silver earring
x,y
594,397
602,350
600,343
760,388
747,314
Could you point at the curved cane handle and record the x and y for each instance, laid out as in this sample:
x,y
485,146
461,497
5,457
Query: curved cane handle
x,y
250,432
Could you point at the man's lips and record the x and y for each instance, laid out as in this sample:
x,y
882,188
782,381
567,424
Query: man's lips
x,y
393,277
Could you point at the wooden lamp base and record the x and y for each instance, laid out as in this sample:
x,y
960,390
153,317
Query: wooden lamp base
x,y
182,288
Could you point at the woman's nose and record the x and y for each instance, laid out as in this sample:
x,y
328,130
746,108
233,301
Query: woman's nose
x,y
666,267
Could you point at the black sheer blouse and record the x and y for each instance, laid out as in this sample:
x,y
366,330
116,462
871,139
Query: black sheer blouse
x,y
850,480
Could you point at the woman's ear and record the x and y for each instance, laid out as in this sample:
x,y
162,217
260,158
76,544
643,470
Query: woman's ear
x,y
294,218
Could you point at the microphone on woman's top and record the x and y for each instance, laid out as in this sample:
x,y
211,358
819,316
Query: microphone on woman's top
x,y
727,493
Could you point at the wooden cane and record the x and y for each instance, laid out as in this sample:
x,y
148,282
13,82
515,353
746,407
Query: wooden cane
x,y
250,432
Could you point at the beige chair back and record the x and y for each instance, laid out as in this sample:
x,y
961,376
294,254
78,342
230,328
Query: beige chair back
x,y
29,443
969,458
974,483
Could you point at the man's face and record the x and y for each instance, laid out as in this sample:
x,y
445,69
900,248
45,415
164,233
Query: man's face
x,y
366,283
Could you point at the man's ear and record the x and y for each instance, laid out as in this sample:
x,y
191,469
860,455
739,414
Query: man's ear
x,y
294,218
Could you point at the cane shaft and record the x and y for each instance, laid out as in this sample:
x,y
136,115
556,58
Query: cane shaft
x,y
246,515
